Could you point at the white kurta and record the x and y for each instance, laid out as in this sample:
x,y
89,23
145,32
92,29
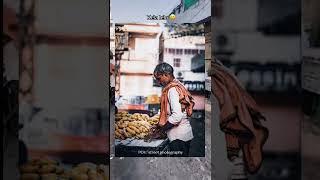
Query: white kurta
x,y
182,130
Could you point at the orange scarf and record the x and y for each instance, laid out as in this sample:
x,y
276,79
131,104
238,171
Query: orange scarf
x,y
240,118
185,100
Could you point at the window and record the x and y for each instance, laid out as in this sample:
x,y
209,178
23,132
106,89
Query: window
x,y
176,62
179,51
194,51
187,51
190,51
202,51
172,51
175,51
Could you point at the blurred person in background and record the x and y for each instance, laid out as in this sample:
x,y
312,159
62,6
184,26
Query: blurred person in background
x,y
176,106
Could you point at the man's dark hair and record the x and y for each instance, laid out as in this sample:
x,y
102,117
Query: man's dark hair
x,y
163,68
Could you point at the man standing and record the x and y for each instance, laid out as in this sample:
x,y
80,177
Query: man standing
x,y
175,108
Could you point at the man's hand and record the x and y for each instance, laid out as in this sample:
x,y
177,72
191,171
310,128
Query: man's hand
x,y
158,132
152,135
155,128
155,133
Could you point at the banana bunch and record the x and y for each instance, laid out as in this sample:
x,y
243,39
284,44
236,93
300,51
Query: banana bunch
x,y
133,125
125,116
122,116
131,129
139,117
47,169
154,120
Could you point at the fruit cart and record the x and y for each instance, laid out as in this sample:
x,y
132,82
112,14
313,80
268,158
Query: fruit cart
x,y
130,132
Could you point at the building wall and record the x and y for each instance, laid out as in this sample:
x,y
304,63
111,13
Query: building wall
x,y
239,24
208,53
245,11
78,75
186,42
74,72
138,50
112,49
310,46
196,43
310,13
133,85
54,18
266,48
137,64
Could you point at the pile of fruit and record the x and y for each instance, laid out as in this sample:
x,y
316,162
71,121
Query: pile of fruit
x,y
133,125
87,171
154,120
47,169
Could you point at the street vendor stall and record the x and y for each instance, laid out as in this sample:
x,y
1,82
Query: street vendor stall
x,y
130,133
